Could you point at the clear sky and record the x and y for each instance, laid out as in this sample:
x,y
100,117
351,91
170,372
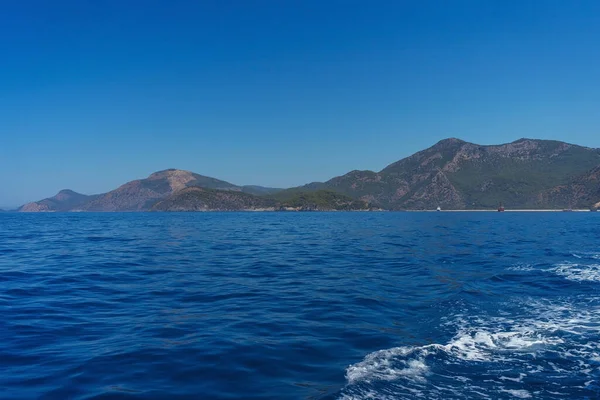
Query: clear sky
x,y
280,93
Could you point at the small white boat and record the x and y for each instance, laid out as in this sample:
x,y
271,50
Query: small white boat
x,y
438,209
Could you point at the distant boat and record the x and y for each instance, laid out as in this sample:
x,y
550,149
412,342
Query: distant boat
x,y
500,208
568,209
438,209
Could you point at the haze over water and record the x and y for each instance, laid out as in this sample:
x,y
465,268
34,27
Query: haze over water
x,y
300,306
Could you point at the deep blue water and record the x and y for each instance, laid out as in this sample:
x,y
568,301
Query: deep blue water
x,y
300,306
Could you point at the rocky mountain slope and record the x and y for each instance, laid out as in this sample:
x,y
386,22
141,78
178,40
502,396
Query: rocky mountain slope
x,y
454,174
142,194
584,190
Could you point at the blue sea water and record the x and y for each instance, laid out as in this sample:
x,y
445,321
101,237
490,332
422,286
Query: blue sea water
x,y
300,306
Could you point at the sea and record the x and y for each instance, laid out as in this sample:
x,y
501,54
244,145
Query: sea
x,y
268,305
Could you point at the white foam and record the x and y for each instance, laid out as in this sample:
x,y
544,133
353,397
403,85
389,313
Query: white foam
x,y
483,345
519,393
519,379
390,365
477,345
587,254
523,268
578,272
566,330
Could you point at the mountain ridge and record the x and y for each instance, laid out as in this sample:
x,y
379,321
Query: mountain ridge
x,y
452,174
457,174
64,200
138,194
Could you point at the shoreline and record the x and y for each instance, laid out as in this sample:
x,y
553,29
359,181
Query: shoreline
x,y
292,211
516,210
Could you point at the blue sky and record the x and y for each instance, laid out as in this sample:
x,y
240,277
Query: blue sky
x,y
280,93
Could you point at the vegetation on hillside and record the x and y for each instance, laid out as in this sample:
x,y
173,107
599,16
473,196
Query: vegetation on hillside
x,y
321,200
203,199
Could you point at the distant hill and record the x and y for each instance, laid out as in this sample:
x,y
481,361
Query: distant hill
x,y
140,194
455,174
452,174
65,200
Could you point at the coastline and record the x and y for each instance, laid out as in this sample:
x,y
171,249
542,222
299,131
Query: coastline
x,y
293,211
515,210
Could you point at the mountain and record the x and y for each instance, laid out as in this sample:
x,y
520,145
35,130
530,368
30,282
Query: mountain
x,y
454,174
204,199
142,194
65,200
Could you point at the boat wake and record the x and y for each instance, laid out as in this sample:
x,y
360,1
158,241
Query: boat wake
x,y
586,268
578,272
552,351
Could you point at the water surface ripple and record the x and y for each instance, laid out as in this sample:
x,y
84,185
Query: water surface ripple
x,y
300,306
